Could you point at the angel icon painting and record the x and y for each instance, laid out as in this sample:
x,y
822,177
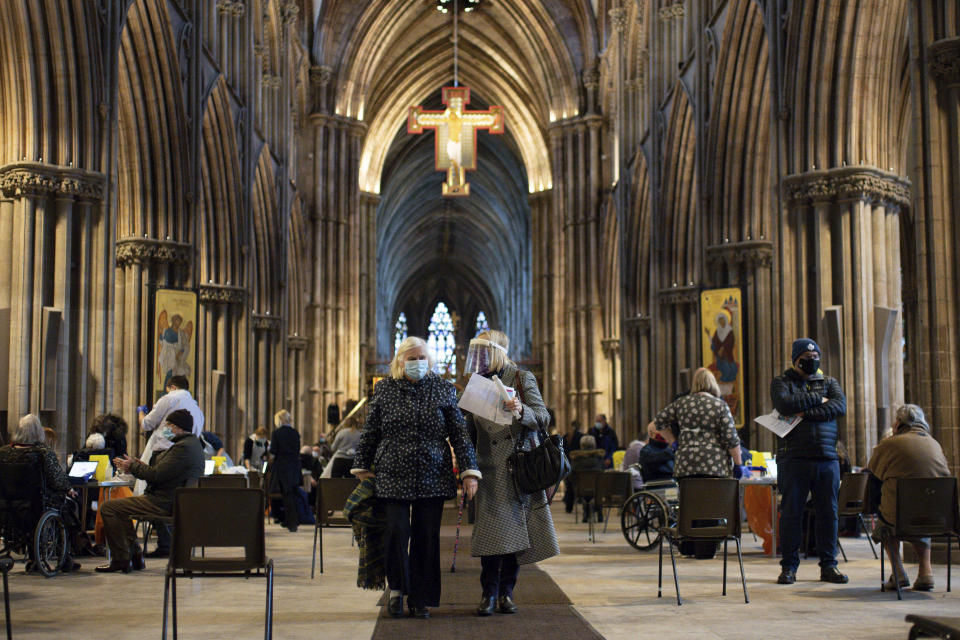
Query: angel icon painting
x,y
174,336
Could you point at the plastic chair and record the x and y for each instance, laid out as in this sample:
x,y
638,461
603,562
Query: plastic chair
x,y
928,508
709,510
211,518
851,500
332,494
223,481
584,482
611,490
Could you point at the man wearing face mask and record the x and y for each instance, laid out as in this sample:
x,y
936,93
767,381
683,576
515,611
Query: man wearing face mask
x,y
807,459
606,438
173,468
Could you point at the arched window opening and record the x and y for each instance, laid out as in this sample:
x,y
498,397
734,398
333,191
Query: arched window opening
x,y
440,341
399,331
482,324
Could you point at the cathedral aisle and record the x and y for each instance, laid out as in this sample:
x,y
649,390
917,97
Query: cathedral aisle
x,y
604,590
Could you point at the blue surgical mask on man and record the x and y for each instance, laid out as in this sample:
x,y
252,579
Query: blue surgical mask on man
x,y
167,433
416,369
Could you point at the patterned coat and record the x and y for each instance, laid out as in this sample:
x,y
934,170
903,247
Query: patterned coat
x,y
404,441
507,522
707,431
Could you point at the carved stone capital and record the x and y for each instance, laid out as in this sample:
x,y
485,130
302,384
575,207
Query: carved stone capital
x,y
265,322
297,343
674,11
752,253
591,78
39,179
222,294
842,184
611,347
271,81
149,250
640,324
320,75
289,11
689,294
618,18
944,59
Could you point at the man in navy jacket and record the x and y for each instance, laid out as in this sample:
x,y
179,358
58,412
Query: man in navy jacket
x,y
807,460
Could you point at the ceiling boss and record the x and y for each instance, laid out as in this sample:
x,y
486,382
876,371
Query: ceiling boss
x,y
455,142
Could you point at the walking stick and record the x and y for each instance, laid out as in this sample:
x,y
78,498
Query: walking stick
x,y
456,541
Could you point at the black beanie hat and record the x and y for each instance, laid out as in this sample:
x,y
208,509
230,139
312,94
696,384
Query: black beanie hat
x,y
181,418
801,346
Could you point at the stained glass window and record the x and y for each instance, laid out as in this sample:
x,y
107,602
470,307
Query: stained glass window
x,y
482,324
400,331
440,341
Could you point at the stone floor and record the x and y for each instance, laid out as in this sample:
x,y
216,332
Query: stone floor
x,y
612,586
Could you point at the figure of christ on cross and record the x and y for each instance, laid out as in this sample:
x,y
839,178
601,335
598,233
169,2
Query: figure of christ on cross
x,y
456,133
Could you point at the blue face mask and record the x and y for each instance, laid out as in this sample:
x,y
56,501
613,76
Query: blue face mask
x,y
416,369
167,433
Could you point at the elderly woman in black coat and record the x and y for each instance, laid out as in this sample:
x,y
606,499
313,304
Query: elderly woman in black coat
x,y
404,448
285,474
511,529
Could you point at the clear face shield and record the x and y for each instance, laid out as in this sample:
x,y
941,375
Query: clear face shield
x,y
479,355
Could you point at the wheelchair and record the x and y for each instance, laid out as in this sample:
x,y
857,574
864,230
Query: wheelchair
x,y
654,506
28,527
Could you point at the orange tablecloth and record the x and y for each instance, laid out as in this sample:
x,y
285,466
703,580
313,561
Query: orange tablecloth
x,y
116,492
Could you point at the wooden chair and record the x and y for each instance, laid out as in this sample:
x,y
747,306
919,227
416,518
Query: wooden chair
x,y
926,508
212,518
585,485
332,494
709,511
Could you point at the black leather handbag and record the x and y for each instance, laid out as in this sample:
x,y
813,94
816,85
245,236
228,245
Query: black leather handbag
x,y
540,468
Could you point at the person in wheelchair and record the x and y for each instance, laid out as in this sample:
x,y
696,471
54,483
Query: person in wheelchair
x,y
27,445
656,457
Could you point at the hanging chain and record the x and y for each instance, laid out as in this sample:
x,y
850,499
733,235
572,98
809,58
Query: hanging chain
x,y
456,42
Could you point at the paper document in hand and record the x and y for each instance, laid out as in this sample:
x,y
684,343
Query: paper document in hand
x,y
482,398
779,424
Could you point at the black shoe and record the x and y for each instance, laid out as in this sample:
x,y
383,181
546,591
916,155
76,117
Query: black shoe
x,y
832,574
419,612
487,606
69,564
158,553
505,605
395,606
115,566
787,576
136,560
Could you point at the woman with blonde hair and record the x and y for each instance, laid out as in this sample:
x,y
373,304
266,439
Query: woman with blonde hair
x,y
404,449
285,476
511,529
707,444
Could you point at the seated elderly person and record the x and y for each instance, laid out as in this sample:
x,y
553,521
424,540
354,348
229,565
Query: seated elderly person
x,y
656,458
28,445
173,468
587,458
911,452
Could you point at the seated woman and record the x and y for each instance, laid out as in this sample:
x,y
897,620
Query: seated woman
x,y
28,445
656,458
344,449
587,458
911,452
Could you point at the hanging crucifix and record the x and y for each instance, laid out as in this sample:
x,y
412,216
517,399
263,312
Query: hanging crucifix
x,y
455,142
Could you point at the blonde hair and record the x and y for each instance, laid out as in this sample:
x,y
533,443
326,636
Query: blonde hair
x,y
703,380
397,364
29,431
282,417
498,358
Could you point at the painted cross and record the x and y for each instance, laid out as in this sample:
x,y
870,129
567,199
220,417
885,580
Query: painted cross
x,y
456,135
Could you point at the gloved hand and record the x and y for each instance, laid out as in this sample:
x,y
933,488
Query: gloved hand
x,y
144,408
741,471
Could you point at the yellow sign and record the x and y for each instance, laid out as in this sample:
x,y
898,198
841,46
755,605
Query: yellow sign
x,y
174,349
723,344
455,142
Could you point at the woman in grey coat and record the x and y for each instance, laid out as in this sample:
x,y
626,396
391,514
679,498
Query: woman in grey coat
x,y
510,529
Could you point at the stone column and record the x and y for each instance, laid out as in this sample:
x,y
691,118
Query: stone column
x,y
843,223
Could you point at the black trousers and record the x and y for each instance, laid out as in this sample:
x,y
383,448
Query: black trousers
x,y
498,574
413,549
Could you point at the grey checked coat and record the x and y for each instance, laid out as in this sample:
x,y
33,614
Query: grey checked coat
x,y
506,522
